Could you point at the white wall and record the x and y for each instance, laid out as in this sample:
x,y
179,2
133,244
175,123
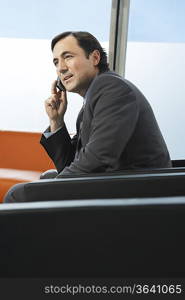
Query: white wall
x,y
26,74
158,69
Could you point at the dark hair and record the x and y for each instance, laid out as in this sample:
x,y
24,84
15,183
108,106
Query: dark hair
x,y
88,43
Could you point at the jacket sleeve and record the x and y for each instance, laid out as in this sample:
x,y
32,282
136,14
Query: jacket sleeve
x,y
115,113
60,147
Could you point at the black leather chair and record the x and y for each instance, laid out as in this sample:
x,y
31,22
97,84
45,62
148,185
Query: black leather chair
x,y
123,225
100,225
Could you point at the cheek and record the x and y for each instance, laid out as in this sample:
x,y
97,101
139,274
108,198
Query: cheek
x,y
78,66
73,65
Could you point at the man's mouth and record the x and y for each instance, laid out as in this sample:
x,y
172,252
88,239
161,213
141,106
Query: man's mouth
x,y
67,77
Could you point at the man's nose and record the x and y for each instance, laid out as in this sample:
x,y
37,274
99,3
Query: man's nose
x,y
62,67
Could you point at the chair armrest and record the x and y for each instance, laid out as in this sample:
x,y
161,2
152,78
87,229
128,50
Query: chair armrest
x,y
91,186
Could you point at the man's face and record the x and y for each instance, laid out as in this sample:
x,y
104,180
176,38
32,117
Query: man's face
x,y
75,70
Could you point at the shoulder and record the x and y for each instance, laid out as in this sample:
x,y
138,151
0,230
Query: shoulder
x,y
109,90
110,77
109,81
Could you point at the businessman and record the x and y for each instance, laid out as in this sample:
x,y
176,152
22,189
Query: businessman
x,y
116,127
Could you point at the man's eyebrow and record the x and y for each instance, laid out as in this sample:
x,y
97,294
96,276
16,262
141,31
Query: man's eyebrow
x,y
63,54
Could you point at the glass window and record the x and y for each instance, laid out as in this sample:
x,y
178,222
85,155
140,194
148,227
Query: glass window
x,y
155,62
26,73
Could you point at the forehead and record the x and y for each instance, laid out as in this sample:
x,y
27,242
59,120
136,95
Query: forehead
x,y
68,44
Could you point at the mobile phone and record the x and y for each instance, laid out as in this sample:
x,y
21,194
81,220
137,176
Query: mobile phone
x,y
60,86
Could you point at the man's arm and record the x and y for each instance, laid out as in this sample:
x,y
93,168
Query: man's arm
x,y
59,145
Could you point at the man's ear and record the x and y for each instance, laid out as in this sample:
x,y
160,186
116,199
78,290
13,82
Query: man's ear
x,y
95,57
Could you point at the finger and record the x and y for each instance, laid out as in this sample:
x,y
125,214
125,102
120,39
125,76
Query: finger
x,y
64,97
54,87
51,102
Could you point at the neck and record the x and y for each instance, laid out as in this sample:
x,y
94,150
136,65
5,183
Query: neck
x,y
84,89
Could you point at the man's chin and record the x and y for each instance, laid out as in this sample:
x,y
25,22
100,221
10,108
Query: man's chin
x,y
71,89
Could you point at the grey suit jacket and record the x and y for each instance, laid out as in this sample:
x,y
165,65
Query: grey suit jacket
x,y
118,132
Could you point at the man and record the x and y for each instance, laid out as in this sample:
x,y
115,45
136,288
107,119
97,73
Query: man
x,y
116,128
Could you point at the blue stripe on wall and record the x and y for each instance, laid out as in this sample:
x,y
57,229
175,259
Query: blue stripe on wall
x,y
43,19
157,21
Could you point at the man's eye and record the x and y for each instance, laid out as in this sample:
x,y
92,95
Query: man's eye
x,y
68,56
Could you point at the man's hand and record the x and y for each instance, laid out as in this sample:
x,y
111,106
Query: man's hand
x,y
56,106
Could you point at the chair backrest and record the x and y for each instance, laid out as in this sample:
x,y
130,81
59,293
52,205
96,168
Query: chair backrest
x,y
179,163
93,238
